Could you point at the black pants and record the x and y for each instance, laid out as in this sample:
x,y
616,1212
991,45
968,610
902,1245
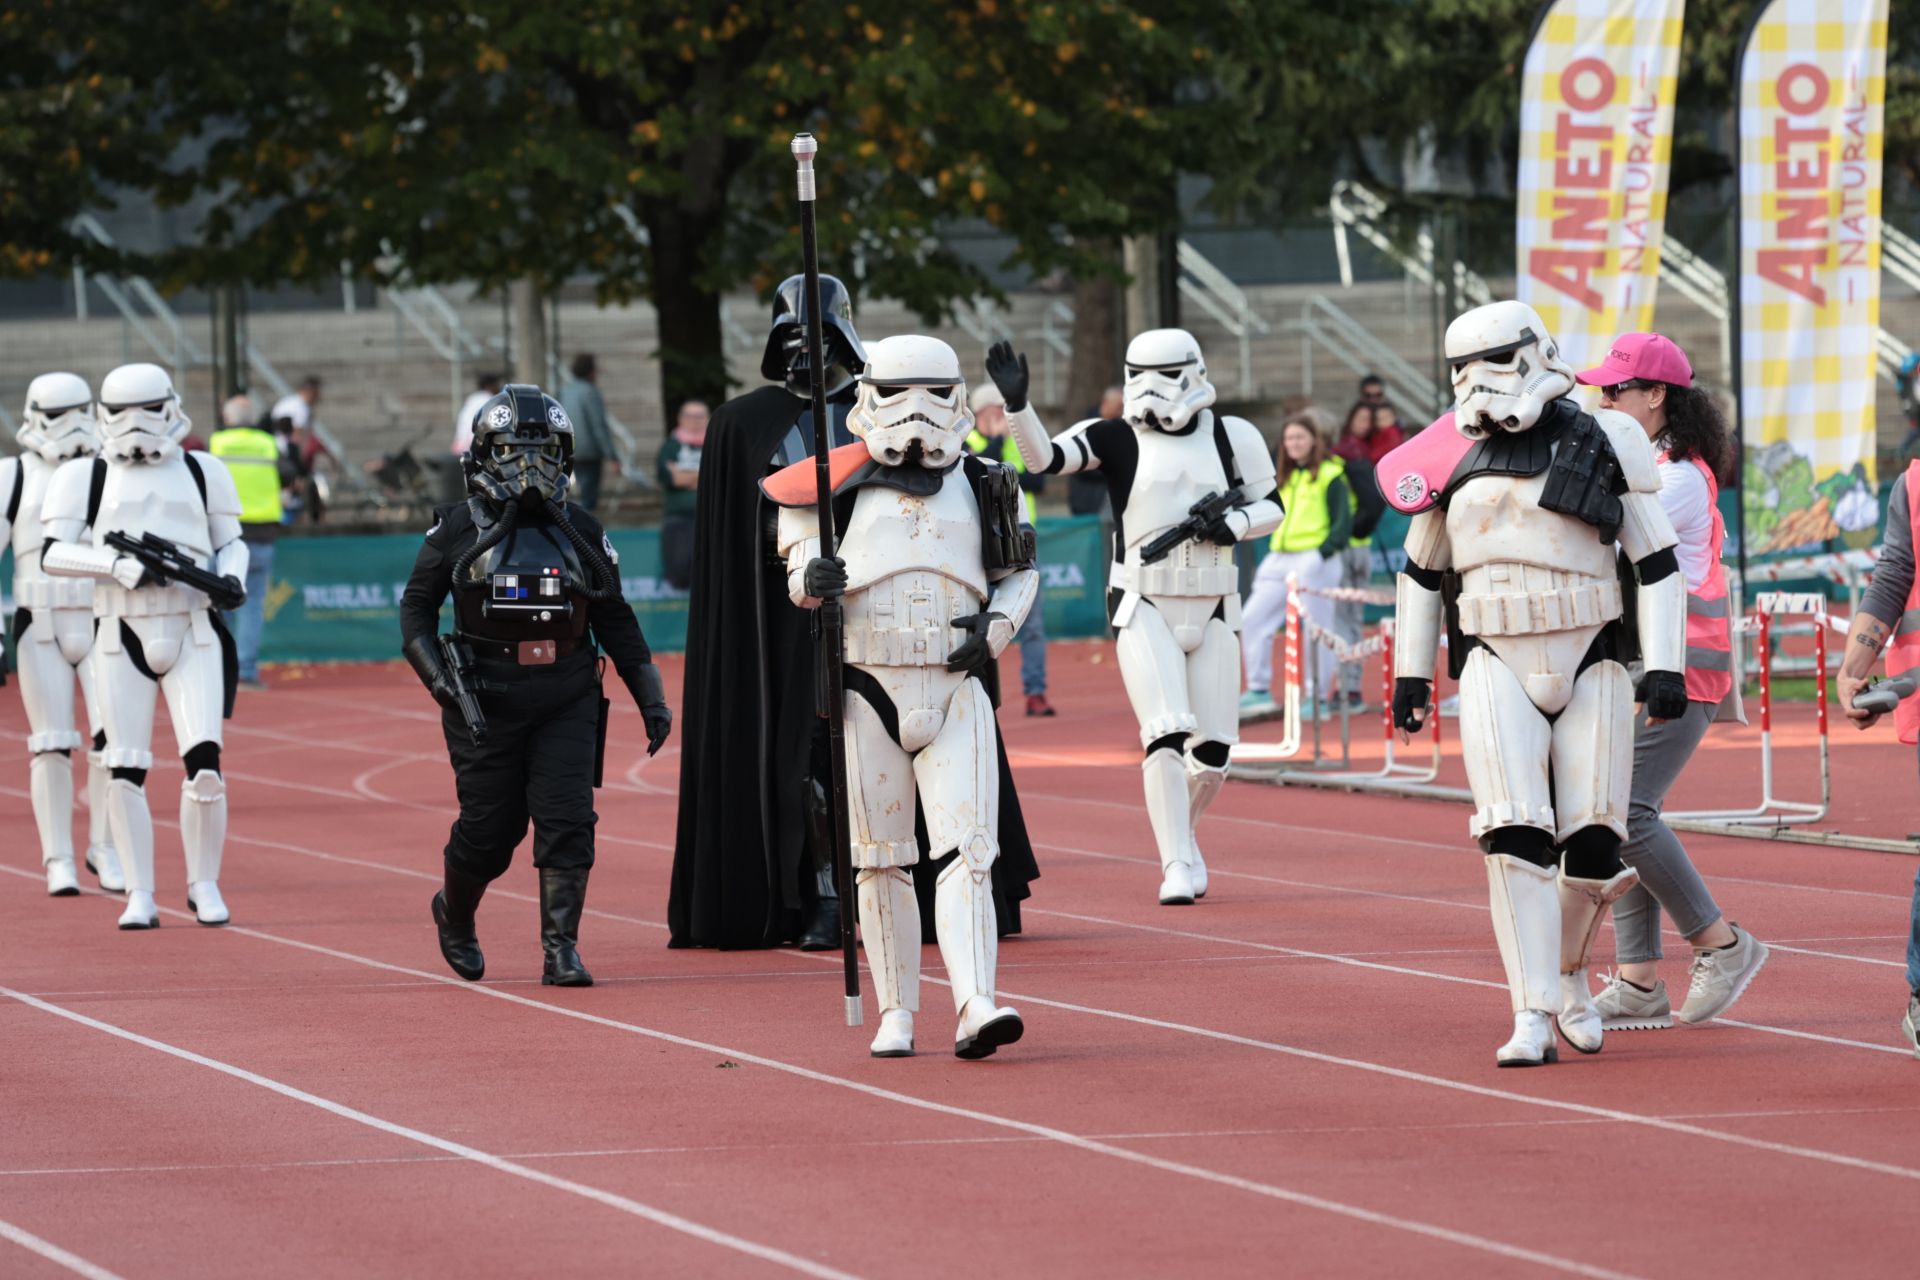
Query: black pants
x,y
586,482
537,763
676,551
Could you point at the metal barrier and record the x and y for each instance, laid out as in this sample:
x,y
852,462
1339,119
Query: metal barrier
x,y
1353,345
1772,810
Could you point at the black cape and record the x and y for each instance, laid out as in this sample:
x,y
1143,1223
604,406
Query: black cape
x,y
748,733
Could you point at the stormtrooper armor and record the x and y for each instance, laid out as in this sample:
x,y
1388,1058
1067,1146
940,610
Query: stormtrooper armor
x,y
151,637
1178,616
1522,506
936,570
53,633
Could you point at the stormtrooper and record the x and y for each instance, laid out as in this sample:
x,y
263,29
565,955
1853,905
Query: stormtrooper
x,y
936,567
154,633
1539,543
1186,485
52,635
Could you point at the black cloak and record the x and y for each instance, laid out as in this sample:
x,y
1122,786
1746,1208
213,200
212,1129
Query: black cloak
x,y
749,738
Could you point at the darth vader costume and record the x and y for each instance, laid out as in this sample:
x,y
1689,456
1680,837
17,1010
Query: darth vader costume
x,y
752,861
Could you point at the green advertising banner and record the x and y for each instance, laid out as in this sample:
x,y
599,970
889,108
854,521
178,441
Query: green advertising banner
x,y
338,599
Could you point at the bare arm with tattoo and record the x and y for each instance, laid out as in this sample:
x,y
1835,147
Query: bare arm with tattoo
x,y
1880,608
1865,639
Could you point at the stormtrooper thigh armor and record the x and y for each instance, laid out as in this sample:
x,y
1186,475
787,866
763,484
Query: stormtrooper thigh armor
x,y
183,655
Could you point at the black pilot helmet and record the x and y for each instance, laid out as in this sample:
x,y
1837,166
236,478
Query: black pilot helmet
x,y
785,359
522,447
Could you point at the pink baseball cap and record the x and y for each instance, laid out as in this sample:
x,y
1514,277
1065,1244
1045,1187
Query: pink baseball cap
x,y
1650,357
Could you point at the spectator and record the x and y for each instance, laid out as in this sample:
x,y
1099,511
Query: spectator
x,y
485,388
680,482
1314,530
297,406
592,440
1086,491
991,439
1371,432
1372,390
253,457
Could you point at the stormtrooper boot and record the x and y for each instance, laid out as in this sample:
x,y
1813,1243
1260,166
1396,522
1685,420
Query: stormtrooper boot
x,y
132,827
50,783
1526,924
1581,903
1203,784
969,945
203,838
890,932
1170,814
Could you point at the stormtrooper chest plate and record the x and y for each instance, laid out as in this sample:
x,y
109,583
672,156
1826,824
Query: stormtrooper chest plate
x,y
892,532
159,498
33,588
1172,474
1498,519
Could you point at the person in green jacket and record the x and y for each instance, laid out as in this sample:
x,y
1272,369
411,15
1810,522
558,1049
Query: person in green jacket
x,y
990,437
1314,530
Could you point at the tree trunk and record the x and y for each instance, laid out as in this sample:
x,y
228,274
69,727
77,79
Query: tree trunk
x,y
1097,341
692,353
529,318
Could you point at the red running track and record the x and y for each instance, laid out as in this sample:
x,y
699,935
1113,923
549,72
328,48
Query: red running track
x,y
1293,1077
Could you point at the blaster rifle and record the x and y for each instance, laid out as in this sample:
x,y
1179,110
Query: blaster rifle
x,y
460,674
1200,517
168,563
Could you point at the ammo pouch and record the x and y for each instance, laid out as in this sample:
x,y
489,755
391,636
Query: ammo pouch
x,y
1006,542
1584,479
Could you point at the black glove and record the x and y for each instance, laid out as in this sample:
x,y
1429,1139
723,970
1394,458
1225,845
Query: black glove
x,y
650,695
825,577
1410,694
423,655
1008,370
974,652
232,598
1222,533
1664,693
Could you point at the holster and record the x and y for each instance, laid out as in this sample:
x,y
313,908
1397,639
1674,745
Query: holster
x,y
600,733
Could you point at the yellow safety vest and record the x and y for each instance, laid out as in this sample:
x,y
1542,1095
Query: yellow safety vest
x,y
1306,521
1001,449
253,457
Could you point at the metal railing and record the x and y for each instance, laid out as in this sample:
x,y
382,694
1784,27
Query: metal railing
x,y
1354,207
1348,341
1208,288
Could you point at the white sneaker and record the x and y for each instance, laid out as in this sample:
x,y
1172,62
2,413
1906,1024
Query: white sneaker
x,y
1176,885
203,899
1911,1024
104,864
984,1027
1625,1007
141,913
1532,1044
61,880
1720,976
895,1037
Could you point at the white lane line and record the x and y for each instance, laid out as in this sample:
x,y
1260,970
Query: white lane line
x,y
1249,875
1834,955
54,1253
660,1217
1303,1199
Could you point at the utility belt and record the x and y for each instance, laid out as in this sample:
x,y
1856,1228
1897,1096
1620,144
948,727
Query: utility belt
x,y
1164,579
111,600
1545,601
53,593
525,653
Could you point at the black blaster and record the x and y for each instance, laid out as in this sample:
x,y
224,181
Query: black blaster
x,y
460,674
168,563
1201,516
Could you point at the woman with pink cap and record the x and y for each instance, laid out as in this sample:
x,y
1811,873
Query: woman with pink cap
x,y
1647,377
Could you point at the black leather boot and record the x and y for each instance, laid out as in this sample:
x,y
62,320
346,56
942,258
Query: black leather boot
x,y
453,909
819,896
563,896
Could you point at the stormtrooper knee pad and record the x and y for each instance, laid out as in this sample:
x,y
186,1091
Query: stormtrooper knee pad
x,y
55,740
203,824
890,931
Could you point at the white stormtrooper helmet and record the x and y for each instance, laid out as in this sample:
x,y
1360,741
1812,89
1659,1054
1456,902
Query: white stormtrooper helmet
x,y
58,423
1506,368
1166,381
912,405
140,415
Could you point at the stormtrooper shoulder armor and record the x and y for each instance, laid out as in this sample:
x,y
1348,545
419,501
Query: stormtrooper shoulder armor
x,y
1639,465
1251,456
13,480
63,512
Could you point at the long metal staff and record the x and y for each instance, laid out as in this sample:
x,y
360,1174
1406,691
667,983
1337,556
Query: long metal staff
x,y
831,626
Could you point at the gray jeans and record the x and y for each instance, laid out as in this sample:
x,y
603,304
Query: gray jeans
x,y
1667,877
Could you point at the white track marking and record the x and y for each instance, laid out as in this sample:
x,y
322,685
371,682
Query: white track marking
x,y
1833,955
54,1253
1065,1138
660,1217
1249,875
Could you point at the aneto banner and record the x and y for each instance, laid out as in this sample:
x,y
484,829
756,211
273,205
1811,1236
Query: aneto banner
x,y
1812,96
1596,134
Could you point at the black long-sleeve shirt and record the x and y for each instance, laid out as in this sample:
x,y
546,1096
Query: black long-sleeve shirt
x,y
610,622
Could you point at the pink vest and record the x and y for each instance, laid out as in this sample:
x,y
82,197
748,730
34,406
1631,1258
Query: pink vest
x,y
1709,621
1904,654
